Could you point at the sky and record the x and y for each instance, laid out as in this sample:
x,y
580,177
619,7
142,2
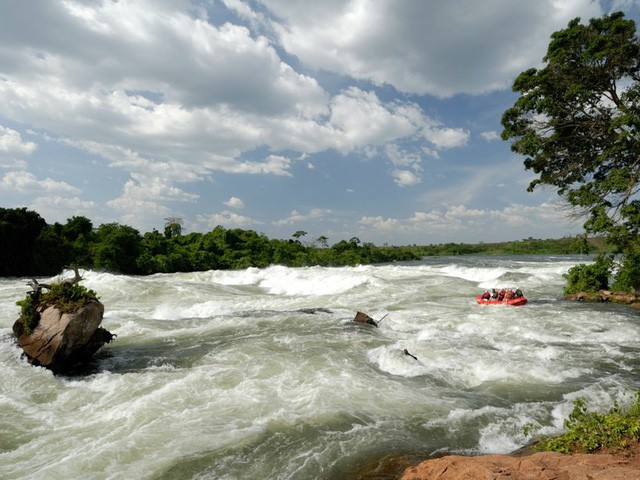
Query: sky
x,y
375,119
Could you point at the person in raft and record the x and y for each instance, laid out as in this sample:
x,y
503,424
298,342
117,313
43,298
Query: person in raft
x,y
504,294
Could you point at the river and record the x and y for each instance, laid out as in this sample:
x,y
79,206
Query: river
x,y
262,374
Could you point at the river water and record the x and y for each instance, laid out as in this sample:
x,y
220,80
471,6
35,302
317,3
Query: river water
x,y
262,374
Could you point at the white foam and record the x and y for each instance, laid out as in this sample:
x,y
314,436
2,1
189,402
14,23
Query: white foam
x,y
223,365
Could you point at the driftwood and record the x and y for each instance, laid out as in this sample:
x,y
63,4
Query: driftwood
x,y
406,352
37,287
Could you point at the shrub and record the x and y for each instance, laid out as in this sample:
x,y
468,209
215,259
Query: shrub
x,y
28,312
588,432
67,297
628,276
589,278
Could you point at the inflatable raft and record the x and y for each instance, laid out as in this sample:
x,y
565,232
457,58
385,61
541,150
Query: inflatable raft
x,y
514,302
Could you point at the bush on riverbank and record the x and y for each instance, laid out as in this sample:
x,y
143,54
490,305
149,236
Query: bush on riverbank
x,y
587,432
624,277
589,278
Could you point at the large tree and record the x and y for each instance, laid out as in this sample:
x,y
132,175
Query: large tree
x,y
577,122
19,229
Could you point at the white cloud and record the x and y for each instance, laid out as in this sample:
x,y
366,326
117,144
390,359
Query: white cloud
x,y
405,178
361,119
234,202
145,200
141,187
13,149
390,42
27,183
163,96
163,85
380,224
272,164
227,219
490,136
446,137
11,143
56,208
436,224
173,96
295,216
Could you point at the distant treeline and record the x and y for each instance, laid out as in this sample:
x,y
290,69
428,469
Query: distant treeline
x,y
30,246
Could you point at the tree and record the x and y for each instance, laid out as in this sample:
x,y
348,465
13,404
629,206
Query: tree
x,y
298,234
118,248
323,241
78,231
173,227
577,122
19,229
77,226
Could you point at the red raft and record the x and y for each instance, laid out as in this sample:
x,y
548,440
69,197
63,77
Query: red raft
x,y
514,302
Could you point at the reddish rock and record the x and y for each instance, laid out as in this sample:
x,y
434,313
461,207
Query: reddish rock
x,y
606,296
536,466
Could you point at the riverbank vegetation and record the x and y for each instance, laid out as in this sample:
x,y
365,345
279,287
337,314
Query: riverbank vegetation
x,y
30,246
588,431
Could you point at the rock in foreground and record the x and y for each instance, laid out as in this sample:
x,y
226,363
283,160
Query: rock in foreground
x,y
61,333
536,466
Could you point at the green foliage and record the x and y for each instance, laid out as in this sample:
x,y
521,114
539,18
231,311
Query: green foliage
x,y
589,278
628,277
67,297
119,248
577,123
28,312
592,431
19,229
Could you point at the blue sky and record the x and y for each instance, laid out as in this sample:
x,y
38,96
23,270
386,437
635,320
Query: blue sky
x,y
376,119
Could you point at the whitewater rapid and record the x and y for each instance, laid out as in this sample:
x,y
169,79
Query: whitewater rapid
x,y
261,373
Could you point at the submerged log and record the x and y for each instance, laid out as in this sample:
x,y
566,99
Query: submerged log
x,y
62,340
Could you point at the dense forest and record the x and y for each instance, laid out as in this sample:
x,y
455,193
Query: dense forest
x,y
30,246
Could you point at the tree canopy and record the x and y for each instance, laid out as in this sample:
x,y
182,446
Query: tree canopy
x,y
577,123
29,246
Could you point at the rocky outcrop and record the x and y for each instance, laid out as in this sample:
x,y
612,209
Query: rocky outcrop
x,y
536,466
60,331
606,296
61,341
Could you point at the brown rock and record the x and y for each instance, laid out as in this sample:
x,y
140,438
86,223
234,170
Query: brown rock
x,y
605,296
61,340
364,318
536,466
